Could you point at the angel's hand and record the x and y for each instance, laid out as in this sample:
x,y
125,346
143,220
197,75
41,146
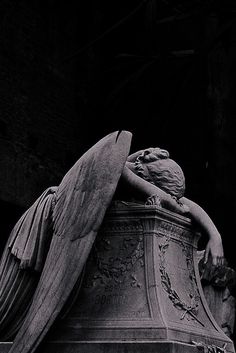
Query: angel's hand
x,y
168,202
214,249
154,200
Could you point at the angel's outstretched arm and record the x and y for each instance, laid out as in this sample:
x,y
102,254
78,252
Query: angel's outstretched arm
x,y
144,189
214,246
132,157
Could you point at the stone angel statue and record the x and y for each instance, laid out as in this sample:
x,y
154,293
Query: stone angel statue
x,y
49,245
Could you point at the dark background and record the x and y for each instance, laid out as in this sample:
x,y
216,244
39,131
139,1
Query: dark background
x,y
71,72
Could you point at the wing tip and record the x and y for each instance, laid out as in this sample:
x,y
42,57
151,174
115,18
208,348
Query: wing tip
x,y
122,134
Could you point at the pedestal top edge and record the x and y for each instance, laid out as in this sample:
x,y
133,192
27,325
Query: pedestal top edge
x,y
138,209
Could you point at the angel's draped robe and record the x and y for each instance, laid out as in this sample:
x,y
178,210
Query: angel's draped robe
x,y
22,262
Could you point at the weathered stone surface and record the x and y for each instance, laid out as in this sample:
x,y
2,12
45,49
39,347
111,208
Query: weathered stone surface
x,y
141,291
141,284
120,347
82,199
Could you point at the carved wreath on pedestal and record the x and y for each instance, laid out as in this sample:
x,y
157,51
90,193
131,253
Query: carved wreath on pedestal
x,y
116,268
190,309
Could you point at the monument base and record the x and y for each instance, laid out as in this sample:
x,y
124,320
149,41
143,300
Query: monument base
x,y
141,291
113,347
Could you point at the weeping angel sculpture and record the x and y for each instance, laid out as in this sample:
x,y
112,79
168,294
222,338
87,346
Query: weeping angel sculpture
x,y
50,244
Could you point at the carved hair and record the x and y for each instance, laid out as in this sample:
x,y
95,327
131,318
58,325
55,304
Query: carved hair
x,y
155,166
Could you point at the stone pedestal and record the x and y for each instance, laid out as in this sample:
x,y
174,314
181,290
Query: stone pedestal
x,y
141,290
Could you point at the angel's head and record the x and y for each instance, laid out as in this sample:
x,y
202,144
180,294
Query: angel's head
x,y
155,166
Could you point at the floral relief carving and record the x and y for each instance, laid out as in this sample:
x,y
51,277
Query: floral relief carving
x,y
117,269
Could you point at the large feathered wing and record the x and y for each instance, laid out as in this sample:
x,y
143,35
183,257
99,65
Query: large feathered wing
x,y
82,199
